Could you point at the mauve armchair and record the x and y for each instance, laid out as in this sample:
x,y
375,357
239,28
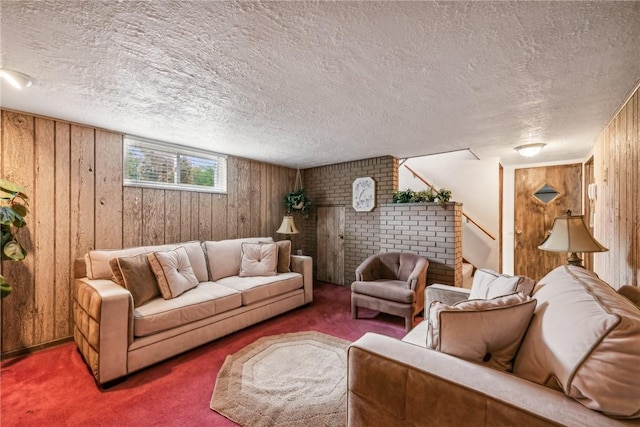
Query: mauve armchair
x,y
391,282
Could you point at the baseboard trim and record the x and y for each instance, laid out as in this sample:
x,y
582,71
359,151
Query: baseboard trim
x,y
34,349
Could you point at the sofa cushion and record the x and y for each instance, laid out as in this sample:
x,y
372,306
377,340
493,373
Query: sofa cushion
x,y
97,261
391,290
489,284
205,300
173,272
254,289
134,273
223,256
584,340
258,259
486,332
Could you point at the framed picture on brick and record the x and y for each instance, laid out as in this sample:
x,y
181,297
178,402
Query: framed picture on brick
x,y
363,194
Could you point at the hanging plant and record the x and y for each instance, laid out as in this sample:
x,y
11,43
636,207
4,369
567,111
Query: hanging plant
x,y
13,209
298,201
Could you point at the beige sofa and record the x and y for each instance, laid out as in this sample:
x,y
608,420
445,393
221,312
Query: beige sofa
x,y
578,365
116,338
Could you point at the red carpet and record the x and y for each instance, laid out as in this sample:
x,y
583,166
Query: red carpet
x,y
54,386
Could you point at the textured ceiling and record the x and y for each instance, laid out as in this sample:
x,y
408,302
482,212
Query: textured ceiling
x,y
306,83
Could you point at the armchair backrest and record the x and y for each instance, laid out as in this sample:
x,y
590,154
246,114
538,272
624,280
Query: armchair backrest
x,y
398,265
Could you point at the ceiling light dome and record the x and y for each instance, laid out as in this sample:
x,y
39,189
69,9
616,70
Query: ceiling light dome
x,y
529,150
15,78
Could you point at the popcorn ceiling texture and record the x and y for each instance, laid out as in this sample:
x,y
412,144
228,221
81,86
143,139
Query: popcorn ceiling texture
x,y
314,83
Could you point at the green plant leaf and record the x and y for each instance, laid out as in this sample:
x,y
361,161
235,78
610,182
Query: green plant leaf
x,y
7,215
5,287
11,187
20,210
12,250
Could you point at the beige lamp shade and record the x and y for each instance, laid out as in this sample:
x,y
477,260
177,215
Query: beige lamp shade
x,y
570,234
287,226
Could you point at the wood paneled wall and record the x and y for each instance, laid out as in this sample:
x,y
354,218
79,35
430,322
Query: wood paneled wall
x,y
73,176
617,206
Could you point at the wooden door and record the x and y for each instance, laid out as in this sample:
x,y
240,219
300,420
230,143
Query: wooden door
x,y
542,194
330,244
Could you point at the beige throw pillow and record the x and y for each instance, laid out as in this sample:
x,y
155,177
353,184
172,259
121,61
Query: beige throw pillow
x,y
284,255
134,273
487,332
173,271
489,284
258,259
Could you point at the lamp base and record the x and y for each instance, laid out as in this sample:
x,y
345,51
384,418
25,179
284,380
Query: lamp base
x,y
574,259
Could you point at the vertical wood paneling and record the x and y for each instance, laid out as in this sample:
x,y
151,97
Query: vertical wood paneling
x,y
244,197
73,176
18,310
218,216
172,215
232,198
254,199
617,221
43,214
132,217
195,205
63,266
185,216
82,190
108,199
204,216
152,216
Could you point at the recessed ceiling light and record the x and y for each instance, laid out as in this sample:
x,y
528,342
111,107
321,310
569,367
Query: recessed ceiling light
x,y
16,78
529,150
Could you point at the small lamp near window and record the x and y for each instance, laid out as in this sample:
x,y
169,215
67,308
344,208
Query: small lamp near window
x,y
288,227
570,234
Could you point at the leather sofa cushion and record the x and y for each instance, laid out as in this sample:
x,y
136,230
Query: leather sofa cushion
x,y
390,290
205,300
483,331
97,261
173,272
257,288
583,340
224,256
284,255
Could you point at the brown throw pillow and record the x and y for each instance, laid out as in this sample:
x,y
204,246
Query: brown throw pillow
x,y
284,255
173,271
487,332
258,259
137,277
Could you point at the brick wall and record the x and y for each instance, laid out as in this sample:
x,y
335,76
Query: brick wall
x,y
331,186
432,231
428,229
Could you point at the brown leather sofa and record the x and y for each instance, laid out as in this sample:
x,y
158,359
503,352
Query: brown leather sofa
x,y
391,282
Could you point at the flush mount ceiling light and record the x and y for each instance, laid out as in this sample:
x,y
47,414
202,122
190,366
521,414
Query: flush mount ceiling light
x,y
16,78
529,150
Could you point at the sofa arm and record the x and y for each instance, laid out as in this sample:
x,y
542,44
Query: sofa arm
x,y
391,382
304,265
101,315
445,294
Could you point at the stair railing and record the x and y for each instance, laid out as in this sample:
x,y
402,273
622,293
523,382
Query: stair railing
x,y
467,217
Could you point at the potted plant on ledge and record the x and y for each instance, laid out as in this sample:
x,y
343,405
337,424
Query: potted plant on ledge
x,y
13,209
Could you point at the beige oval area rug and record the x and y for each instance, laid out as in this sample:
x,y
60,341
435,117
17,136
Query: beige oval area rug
x,y
296,379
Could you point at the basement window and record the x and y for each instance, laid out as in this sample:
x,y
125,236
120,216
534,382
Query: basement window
x,y
157,164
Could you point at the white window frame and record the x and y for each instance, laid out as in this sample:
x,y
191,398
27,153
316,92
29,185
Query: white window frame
x,y
220,177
